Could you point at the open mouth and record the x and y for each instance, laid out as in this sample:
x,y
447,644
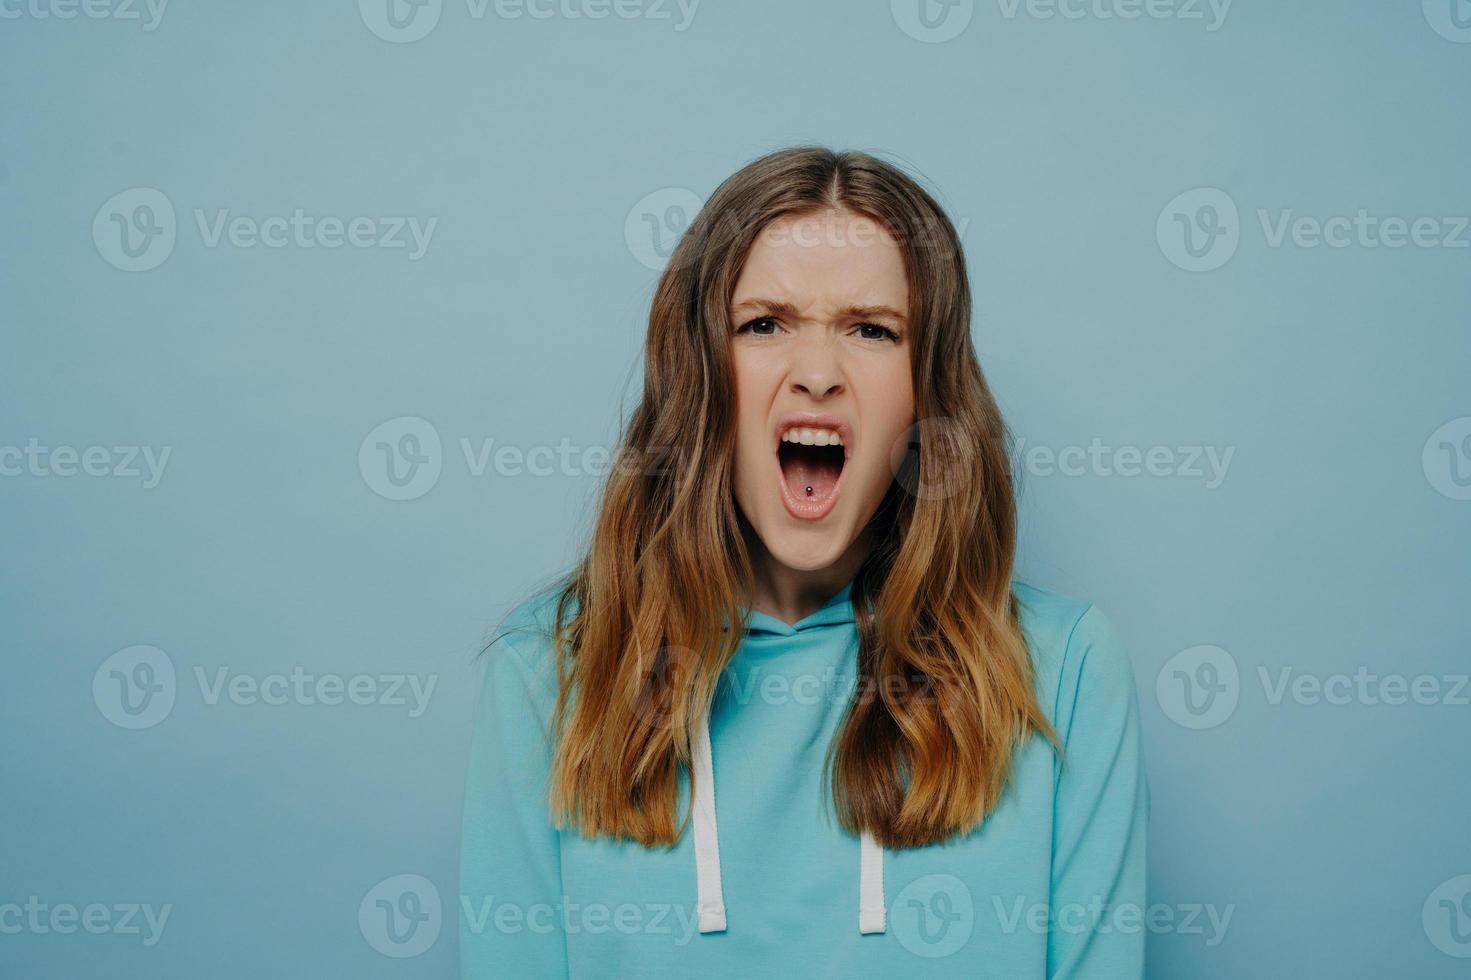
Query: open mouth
x,y
811,457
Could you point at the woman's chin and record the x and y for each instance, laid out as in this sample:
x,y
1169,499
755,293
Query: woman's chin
x,y
808,549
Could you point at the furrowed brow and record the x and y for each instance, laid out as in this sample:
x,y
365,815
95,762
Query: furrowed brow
x,y
780,308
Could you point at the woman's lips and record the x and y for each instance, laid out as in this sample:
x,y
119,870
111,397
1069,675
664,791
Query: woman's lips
x,y
806,467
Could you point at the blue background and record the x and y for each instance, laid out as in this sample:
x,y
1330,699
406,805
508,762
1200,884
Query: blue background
x,y
1329,545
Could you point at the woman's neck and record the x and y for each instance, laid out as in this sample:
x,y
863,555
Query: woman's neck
x,y
790,594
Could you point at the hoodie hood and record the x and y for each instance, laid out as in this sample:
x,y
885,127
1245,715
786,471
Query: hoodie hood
x,y
838,609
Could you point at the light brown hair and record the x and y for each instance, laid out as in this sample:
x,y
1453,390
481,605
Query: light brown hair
x,y
642,620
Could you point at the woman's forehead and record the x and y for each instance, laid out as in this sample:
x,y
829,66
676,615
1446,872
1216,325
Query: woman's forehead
x,y
829,262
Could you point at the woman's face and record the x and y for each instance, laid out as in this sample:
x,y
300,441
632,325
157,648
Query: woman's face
x,y
822,357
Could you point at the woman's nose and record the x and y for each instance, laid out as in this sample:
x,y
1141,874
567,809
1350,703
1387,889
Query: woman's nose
x,y
815,370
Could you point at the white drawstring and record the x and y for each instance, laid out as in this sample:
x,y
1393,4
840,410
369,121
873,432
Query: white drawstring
x,y
710,898
871,916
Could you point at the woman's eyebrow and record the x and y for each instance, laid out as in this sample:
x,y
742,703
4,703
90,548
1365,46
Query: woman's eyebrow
x,y
866,312
770,305
782,308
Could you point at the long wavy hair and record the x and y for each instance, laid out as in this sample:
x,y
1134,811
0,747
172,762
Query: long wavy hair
x,y
945,693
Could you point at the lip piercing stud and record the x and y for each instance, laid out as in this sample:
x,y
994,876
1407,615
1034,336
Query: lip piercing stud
x,y
809,491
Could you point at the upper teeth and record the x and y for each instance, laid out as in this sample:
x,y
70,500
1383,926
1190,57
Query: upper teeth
x,y
812,437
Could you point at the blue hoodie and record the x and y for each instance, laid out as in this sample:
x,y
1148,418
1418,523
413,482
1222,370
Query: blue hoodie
x,y
765,883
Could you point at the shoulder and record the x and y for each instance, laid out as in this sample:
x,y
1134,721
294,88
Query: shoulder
x,y
1077,653
520,661
529,627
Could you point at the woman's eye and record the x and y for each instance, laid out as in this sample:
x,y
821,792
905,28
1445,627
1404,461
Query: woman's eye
x,y
764,326
873,331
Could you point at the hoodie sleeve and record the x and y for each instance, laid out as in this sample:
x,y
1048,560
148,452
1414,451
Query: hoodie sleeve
x,y
1098,926
511,918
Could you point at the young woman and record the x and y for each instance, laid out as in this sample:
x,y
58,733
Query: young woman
x,y
792,716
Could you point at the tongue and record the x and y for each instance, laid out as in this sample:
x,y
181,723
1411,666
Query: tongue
x,y
807,466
